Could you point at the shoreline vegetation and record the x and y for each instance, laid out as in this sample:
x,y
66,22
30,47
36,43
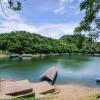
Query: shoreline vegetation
x,y
2,55
21,42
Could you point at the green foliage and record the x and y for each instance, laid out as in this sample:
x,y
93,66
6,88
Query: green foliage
x,y
98,96
25,42
91,7
15,4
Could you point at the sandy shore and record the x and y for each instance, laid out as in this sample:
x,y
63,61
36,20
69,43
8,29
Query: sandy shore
x,y
63,91
74,92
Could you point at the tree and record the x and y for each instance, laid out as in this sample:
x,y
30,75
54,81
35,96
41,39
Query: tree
x,y
15,5
26,42
93,34
92,8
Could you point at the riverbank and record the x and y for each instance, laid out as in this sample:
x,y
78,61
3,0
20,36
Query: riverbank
x,y
45,91
53,54
4,56
75,92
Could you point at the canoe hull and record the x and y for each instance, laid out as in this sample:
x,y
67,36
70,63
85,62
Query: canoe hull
x,y
47,77
48,80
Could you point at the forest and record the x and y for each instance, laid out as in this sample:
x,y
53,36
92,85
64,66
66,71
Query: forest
x,y
26,42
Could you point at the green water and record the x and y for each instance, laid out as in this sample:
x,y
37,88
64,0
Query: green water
x,y
71,69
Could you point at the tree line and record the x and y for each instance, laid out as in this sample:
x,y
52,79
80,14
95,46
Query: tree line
x,y
26,42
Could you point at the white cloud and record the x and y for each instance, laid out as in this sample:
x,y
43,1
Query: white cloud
x,y
98,14
8,26
66,6
56,30
77,12
17,23
61,6
14,22
63,2
59,9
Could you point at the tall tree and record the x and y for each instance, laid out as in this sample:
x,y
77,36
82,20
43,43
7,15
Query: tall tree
x,y
92,8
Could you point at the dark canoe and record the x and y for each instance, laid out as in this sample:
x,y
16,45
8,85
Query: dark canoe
x,y
98,80
49,75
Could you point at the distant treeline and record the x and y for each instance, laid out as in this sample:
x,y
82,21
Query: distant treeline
x,y
25,42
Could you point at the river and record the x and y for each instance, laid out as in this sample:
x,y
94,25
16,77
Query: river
x,y
71,69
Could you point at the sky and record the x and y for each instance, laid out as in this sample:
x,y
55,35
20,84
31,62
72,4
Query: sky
x,y
50,18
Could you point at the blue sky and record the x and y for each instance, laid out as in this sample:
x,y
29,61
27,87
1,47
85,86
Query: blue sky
x,y
51,18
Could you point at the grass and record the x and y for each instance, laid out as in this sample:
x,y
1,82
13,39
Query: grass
x,y
95,97
31,98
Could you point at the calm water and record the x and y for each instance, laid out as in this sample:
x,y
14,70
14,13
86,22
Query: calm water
x,y
71,69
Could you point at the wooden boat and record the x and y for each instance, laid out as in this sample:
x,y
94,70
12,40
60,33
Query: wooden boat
x,y
26,56
50,75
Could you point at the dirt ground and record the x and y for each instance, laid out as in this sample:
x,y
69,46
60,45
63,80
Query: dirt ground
x,y
75,92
